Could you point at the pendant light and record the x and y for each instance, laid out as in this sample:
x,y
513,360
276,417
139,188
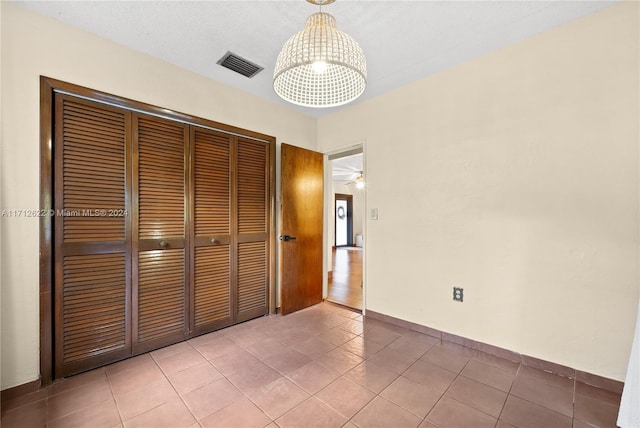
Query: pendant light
x,y
320,66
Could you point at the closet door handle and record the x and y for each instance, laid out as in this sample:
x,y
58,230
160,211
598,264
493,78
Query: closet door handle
x,y
287,238
164,244
214,241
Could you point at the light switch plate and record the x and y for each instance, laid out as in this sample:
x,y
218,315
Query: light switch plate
x,y
374,213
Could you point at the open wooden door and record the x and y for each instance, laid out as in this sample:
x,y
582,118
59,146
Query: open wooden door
x,y
301,228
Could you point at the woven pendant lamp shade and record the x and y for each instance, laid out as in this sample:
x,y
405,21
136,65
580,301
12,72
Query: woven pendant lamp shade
x,y
320,66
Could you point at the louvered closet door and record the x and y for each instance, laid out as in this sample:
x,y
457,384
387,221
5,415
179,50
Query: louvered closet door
x,y
253,221
160,250
92,281
212,259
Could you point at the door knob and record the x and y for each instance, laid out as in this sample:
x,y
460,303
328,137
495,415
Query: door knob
x,y
214,241
164,244
287,238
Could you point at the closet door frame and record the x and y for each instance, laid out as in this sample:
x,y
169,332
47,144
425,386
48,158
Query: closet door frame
x,y
48,88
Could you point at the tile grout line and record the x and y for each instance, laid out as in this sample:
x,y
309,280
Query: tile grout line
x,y
46,412
47,421
172,386
404,371
225,378
573,402
509,392
155,362
340,376
459,375
448,387
113,397
378,395
282,375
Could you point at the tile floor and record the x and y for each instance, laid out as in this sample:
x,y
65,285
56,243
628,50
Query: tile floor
x,y
321,367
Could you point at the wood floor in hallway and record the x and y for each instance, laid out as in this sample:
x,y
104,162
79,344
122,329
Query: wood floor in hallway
x,y
345,287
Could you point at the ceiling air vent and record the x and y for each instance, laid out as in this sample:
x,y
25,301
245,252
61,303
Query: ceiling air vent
x,y
239,65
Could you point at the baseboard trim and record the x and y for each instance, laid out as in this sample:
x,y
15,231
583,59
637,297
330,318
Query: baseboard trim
x,y
18,391
526,360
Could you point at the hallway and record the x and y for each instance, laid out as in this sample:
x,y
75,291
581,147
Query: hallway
x,y
345,286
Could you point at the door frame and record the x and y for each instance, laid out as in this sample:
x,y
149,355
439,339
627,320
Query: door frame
x,y
49,86
327,257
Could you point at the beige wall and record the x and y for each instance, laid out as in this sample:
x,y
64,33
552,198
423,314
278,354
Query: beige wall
x,y
521,186
34,46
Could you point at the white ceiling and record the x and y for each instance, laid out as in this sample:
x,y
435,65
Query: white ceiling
x,y
402,40
346,169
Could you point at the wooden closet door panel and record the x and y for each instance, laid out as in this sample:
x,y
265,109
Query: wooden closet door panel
x,y
92,172
212,183
212,276
252,188
161,294
92,285
253,224
212,286
161,247
93,310
161,179
253,278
